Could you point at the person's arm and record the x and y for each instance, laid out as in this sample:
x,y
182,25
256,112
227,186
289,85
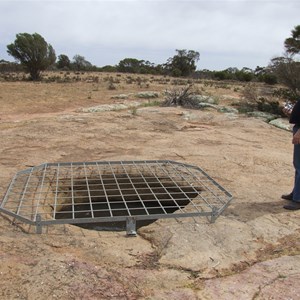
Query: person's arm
x,y
296,137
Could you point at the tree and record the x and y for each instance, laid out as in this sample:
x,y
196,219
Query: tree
x,y
292,44
63,62
108,68
265,75
287,71
80,63
129,65
245,74
7,66
183,63
33,52
133,65
287,68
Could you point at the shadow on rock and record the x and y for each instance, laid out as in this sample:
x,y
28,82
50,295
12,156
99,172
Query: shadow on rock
x,y
248,211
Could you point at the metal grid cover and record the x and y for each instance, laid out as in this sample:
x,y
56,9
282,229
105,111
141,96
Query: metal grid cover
x,y
103,191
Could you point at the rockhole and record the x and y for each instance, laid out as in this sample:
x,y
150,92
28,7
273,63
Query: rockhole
x,y
116,195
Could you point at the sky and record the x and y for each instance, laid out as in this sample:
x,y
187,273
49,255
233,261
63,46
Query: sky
x,y
226,33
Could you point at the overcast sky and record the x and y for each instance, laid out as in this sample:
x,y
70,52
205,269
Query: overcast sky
x,y
226,33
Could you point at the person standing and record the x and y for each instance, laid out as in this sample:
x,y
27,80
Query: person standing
x,y
294,118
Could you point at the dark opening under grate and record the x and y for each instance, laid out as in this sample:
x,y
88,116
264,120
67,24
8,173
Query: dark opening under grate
x,y
116,191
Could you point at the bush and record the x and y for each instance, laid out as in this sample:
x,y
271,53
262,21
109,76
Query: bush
x,y
285,94
268,79
252,99
184,97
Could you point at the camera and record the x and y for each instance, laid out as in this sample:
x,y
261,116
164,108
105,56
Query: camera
x,y
288,106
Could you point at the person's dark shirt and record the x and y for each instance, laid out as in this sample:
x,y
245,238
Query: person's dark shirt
x,y
295,115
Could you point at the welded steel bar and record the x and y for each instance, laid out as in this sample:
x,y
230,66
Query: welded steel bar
x,y
206,175
150,188
134,188
124,218
190,185
116,162
104,190
8,191
56,192
72,192
38,224
88,190
14,215
24,193
150,180
131,226
40,193
206,186
167,192
120,191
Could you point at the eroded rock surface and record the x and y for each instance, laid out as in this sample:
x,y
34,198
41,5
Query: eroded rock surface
x,y
250,252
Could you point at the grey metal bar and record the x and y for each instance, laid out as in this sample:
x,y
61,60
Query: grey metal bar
x,y
151,190
194,188
135,189
214,215
38,223
56,192
117,183
183,191
8,191
206,175
88,190
124,218
108,162
104,190
72,192
166,189
39,198
147,176
23,196
206,187
12,214
131,226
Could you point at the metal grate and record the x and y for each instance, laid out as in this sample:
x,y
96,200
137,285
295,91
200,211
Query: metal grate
x,y
103,191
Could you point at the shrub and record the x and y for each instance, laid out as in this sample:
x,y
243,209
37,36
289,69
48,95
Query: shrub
x,y
252,99
184,97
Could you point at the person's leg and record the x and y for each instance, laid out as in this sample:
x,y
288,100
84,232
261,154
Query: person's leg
x,y
295,204
296,162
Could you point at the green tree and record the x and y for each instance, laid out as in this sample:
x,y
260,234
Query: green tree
x,y
80,63
292,44
221,75
130,65
63,62
108,68
183,63
287,68
245,74
265,75
133,65
33,52
7,66
287,71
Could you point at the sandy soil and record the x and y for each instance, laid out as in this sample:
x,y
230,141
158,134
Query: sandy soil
x,y
252,251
